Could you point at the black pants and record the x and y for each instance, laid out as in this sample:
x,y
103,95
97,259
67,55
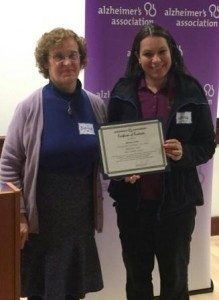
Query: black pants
x,y
143,237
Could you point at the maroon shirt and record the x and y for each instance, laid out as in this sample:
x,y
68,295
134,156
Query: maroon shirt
x,y
153,105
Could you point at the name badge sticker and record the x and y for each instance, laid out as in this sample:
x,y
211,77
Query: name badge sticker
x,y
184,117
86,128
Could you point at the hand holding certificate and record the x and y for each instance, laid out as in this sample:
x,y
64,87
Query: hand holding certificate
x,y
132,148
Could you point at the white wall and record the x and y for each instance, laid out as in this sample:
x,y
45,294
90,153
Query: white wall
x,y
21,24
215,186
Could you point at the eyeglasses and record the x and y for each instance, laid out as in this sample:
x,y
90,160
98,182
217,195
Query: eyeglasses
x,y
60,58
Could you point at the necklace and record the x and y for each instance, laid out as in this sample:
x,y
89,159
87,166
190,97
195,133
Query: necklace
x,y
70,110
68,99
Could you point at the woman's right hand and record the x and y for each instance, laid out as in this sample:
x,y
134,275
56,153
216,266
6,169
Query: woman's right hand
x,y
132,179
23,230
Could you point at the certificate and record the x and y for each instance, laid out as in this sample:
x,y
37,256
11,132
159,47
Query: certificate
x,y
132,148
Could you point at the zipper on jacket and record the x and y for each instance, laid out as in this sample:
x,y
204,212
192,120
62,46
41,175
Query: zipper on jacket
x,y
133,104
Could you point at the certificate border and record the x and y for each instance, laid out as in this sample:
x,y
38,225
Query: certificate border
x,y
140,170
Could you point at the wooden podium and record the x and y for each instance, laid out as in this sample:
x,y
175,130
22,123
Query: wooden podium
x,y
9,242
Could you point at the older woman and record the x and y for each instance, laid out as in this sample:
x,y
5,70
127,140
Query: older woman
x,y
51,153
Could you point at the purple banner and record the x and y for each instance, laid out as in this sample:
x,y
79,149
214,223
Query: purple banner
x,y
111,25
109,30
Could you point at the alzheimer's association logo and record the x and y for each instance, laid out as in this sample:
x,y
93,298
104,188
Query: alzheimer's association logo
x,y
150,9
214,11
209,90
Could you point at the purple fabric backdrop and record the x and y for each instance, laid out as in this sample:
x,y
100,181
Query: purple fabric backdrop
x,y
109,30
111,25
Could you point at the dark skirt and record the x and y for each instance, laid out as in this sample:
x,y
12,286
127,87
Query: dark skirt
x,y
62,259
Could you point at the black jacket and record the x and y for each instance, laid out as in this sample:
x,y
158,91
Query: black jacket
x,y
181,187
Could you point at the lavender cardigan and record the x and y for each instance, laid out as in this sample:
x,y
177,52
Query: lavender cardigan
x,y
20,155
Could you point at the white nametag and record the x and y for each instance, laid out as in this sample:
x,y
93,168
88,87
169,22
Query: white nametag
x,y
86,128
184,117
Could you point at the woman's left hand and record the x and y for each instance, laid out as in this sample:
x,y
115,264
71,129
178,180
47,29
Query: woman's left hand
x,y
173,149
